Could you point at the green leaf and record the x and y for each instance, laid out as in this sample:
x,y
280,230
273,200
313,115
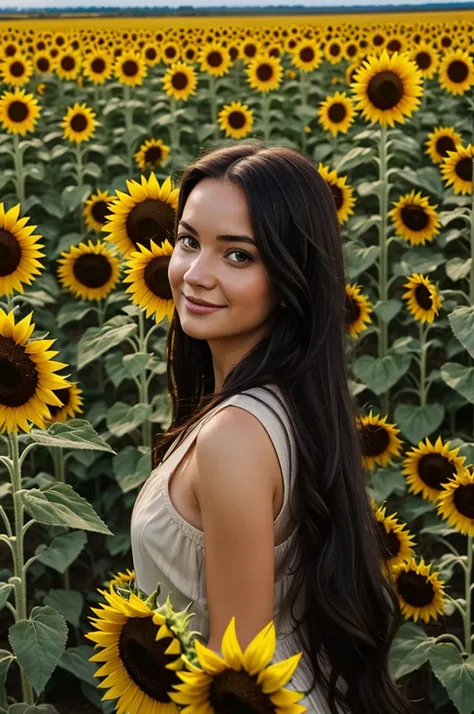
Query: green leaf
x,y
23,708
6,658
122,418
386,482
359,259
63,550
462,324
136,363
76,661
64,243
387,309
74,196
419,259
72,434
131,468
381,374
360,224
413,507
115,369
60,505
72,312
5,590
355,157
427,178
416,422
68,603
98,340
458,268
370,188
38,643
455,674
411,649
459,378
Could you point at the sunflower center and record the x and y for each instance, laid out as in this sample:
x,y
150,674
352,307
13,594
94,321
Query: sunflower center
x,y
150,219
18,375
156,277
130,68
150,53
414,217
435,470
464,500
264,72
63,395
154,155
457,71
415,589
145,660
98,65
337,112
236,120
352,310
391,542
337,195
170,52
423,60
445,144
92,270
233,692
179,81
394,45
215,59
385,90
250,50
423,297
43,64
377,40
10,50
375,439
464,168
351,50
79,123
334,49
68,63
100,210
10,253
307,54
233,51
17,111
17,69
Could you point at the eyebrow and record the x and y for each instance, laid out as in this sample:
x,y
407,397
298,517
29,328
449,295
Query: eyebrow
x,y
230,238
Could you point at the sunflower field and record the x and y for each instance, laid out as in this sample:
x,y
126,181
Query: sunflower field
x,y
97,124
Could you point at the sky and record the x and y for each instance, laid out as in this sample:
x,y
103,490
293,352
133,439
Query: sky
x,y
24,4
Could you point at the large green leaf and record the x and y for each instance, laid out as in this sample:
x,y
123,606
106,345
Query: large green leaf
x,y
387,309
459,378
136,363
72,434
419,259
23,708
455,674
381,374
386,482
355,157
462,324
97,340
60,505
38,643
416,422
458,268
63,550
5,590
76,661
358,258
6,658
411,648
67,602
115,368
131,468
122,418
72,312
74,196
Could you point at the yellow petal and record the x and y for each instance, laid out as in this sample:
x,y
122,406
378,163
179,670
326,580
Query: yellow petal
x,y
260,651
231,650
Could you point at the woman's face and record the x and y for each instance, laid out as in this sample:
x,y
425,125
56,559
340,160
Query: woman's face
x,y
228,273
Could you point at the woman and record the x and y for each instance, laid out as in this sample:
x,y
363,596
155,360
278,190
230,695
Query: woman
x,y
261,511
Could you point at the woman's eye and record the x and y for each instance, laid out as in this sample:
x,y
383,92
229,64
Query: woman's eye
x,y
246,257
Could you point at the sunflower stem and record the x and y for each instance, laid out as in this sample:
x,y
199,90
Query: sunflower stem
x,y
383,260
304,102
173,125
471,276
451,638
265,105
19,556
423,353
143,391
19,172
128,114
468,581
213,97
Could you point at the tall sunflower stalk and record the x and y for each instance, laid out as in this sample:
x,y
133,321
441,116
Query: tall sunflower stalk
x,y
304,93
173,125
19,169
383,256
128,116
265,108
213,98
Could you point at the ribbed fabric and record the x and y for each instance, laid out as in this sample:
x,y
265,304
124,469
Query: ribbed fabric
x,y
168,549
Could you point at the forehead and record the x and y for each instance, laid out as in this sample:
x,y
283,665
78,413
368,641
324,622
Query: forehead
x,y
218,205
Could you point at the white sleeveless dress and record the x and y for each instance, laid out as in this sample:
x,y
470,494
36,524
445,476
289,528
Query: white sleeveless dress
x,y
168,549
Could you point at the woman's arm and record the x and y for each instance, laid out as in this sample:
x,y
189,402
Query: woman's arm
x,y
238,473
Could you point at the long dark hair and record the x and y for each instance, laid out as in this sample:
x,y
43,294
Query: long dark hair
x,y
351,613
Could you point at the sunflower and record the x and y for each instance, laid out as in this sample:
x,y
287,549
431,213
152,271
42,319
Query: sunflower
x,y
264,73
423,300
398,543
239,681
190,53
16,70
350,50
19,112
130,69
179,81
428,468
151,154
377,39
336,113
43,63
456,71
146,213
215,59
98,66
394,44
456,169
68,64
71,404
148,274
27,379
19,251
123,579
236,119
416,221
79,123
342,193
142,651
248,49
456,502
420,591
379,441
426,59
440,141
334,51
170,52
89,271
151,54
358,309
306,55
387,88
96,209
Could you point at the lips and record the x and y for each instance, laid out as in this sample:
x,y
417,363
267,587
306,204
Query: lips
x,y
201,302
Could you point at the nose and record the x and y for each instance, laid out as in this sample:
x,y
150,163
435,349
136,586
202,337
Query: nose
x,y
200,272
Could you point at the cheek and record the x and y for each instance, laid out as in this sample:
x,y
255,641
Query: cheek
x,y
253,289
